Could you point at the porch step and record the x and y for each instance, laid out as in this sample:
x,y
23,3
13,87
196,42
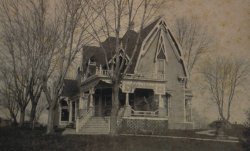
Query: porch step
x,y
96,125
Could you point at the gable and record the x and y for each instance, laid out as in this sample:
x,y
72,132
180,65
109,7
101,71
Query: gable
x,y
163,44
157,33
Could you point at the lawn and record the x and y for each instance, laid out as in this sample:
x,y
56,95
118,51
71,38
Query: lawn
x,y
15,139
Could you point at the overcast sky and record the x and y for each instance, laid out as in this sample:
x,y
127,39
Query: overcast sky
x,y
228,22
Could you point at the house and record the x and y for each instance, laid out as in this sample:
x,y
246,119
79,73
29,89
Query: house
x,y
154,95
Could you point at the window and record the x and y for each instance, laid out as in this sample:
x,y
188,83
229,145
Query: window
x,y
166,100
73,111
92,61
64,111
64,115
160,66
188,110
161,60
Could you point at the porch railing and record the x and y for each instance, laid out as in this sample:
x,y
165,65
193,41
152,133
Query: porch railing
x,y
144,113
152,76
82,119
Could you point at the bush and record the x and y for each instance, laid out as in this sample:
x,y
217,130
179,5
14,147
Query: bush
x,y
220,124
246,134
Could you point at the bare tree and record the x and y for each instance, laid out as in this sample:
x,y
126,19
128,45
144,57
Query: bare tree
x,y
8,95
41,107
224,77
117,17
26,39
72,36
41,45
194,40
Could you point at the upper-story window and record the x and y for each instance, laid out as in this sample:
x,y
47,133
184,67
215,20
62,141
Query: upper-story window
x,y
161,60
160,66
188,110
92,61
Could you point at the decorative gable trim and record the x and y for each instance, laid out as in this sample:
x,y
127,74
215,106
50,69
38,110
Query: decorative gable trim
x,y
121,55
161,45
179,49
160,27
177,55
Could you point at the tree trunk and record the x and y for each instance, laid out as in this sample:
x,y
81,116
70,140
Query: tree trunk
x,y
115,108
50,124
14,122
22,117
13,116
33,114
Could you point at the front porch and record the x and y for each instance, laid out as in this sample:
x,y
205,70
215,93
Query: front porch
x,y
143,102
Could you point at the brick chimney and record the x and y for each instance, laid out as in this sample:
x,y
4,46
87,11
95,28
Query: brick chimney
x,y
132,26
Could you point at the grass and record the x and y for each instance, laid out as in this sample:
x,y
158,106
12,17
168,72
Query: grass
x,y
16,139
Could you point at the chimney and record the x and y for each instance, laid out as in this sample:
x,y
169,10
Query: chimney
x,y
132,26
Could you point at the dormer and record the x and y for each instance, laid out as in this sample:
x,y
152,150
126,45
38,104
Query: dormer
x,y
92,61
122,56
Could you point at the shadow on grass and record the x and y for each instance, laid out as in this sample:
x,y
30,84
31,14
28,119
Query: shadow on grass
x,y
36,140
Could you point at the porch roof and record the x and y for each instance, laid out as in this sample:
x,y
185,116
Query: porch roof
x,y
128,84
70,88
97,84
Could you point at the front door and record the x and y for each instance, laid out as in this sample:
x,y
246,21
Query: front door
x,y
98,106
107,105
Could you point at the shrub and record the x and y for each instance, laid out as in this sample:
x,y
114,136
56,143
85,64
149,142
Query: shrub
x,y
246,134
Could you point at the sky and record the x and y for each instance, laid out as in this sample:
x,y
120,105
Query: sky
x,y
228,23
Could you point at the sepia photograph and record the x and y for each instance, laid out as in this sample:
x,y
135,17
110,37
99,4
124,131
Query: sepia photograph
x,y
124,75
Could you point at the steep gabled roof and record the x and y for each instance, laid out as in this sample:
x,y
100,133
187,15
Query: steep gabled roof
x,y
129,38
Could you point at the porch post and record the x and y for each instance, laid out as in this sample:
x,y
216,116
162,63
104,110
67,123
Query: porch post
x,y
60,113
127,111
70,111
91,103
162,110
127,99
80,104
